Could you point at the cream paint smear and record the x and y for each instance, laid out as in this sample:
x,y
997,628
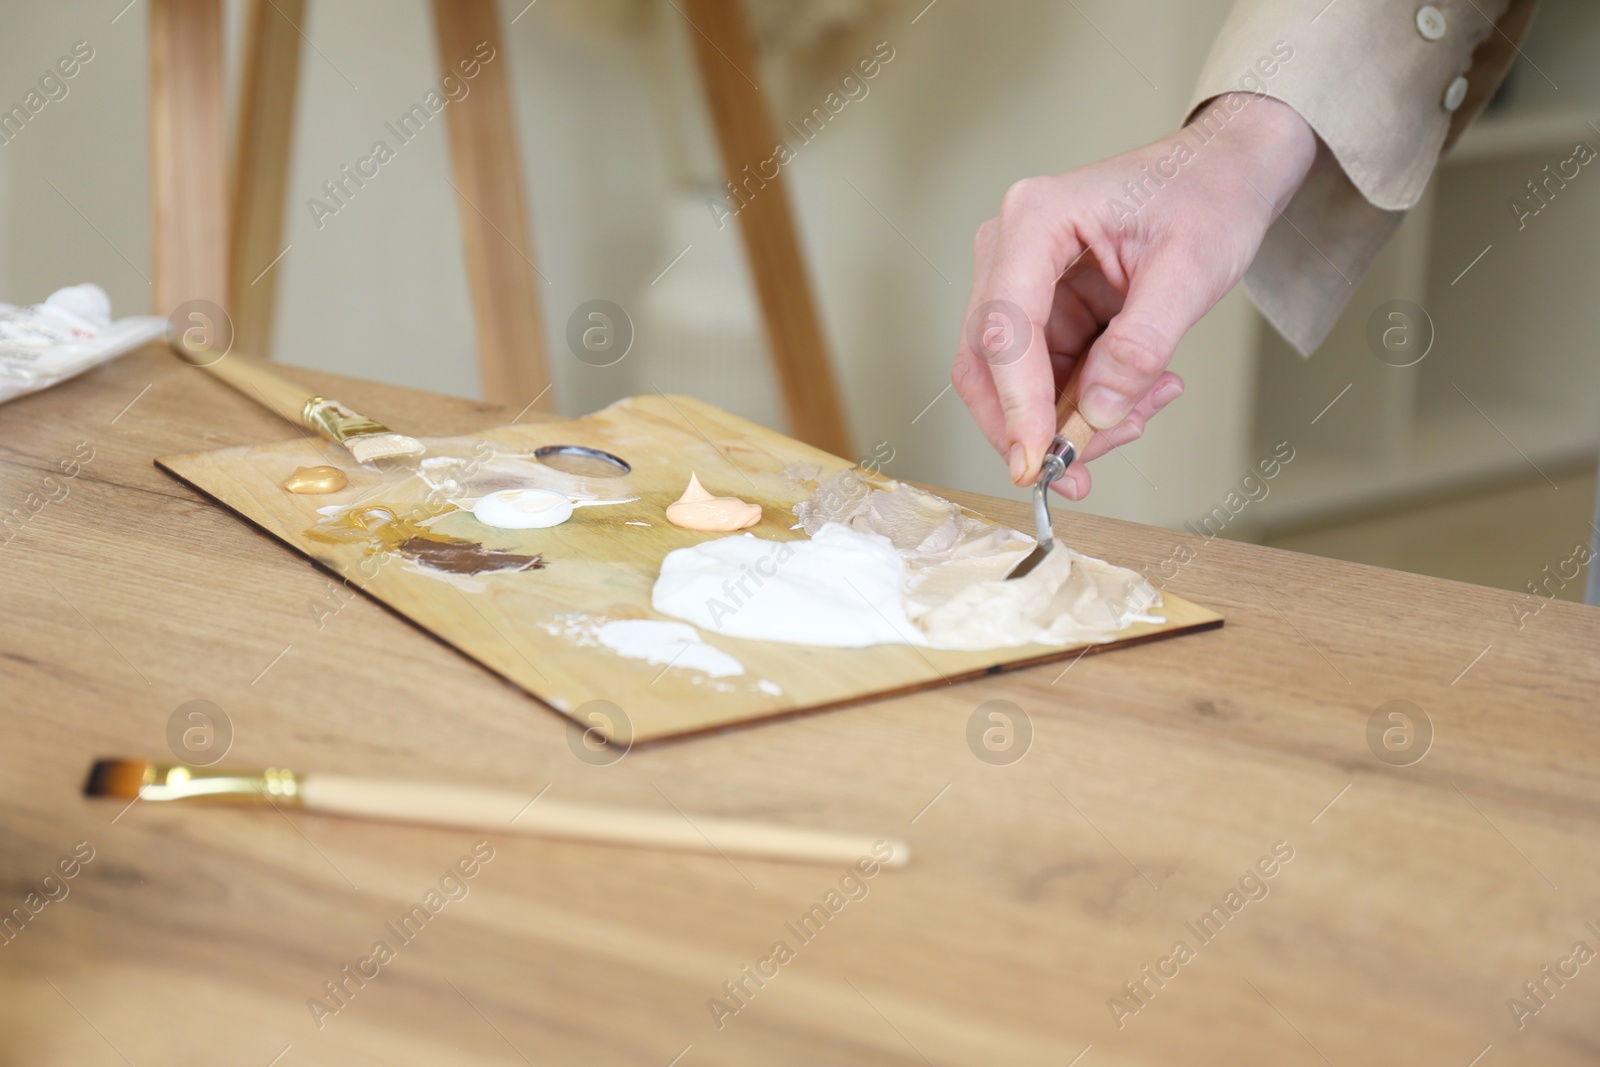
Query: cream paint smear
x,y
670,644
897,565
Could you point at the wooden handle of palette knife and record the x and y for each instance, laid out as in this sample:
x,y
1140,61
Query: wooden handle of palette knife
x,y
1071,425
250,377
496,811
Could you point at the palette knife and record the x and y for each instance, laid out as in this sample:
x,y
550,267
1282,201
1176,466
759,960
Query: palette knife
x,y
1073,434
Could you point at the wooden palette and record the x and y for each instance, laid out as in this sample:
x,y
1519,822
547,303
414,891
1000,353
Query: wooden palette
x,y
534,627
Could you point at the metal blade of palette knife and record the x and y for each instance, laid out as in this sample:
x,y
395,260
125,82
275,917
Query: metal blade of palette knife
x,y
1056,462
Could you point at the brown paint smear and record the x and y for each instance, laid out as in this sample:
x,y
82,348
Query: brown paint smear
x,y
381,528
465,557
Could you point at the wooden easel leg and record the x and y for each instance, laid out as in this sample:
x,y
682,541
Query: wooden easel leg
x,y
494,218
263,136
188,154
726,51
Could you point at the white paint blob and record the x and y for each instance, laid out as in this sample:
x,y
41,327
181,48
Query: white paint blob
x,y
464,477
523,509
898,565
669,643
841,589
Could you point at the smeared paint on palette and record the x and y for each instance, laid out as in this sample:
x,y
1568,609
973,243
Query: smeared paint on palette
x,y
456,556
540,626
390,528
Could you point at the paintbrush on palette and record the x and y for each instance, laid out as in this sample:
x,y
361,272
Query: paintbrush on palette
x,y
487,810
368,441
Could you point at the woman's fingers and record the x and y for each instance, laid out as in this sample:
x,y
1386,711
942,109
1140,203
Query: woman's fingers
x,y
1153,274
1167,389
1012,306
975,386
1075,321
1075,484
970,375
1165,299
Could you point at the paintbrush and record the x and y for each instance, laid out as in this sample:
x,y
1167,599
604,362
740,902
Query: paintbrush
x,y
368,441
1073,433
488,810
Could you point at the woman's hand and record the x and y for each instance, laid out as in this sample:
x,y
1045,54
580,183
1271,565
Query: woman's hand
x,y
1111,264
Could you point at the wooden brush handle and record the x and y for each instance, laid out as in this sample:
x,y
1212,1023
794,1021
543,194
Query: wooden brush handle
x,y
496,811
250,377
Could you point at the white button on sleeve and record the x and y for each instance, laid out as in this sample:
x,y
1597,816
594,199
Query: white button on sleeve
x,y
1455,94
1430,22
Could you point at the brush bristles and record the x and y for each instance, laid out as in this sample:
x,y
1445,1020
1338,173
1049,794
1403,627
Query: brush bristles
x,y
116,778
371,447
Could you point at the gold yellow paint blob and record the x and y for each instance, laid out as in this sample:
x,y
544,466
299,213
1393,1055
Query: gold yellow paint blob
x,y
697,509
316,480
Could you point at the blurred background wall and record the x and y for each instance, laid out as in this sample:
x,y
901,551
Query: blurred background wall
x,y
619,164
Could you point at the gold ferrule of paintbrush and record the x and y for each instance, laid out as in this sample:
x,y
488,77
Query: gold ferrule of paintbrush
x,y
175,781
336,422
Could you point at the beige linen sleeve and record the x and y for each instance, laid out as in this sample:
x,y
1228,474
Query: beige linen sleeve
x,y
1387,85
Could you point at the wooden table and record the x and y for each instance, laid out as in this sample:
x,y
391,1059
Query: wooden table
x,y
1417,901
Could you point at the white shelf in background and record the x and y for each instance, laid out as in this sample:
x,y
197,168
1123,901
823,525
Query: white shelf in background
x,y
1449,450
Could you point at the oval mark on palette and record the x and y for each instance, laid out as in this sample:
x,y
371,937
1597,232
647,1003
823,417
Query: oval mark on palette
x,y
582,461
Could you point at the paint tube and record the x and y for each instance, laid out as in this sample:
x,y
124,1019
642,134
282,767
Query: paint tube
x,y
64,336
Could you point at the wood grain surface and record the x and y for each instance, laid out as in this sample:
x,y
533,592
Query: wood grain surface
x,y
1417,901
602,564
